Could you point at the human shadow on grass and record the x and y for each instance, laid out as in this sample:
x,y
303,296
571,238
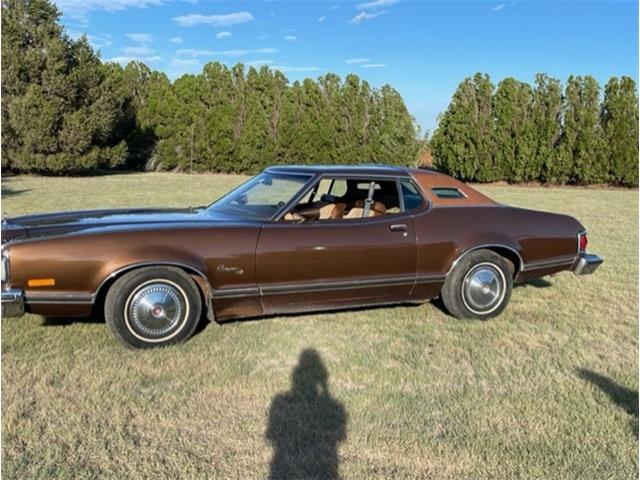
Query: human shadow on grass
x,y
7,191
623,397
306,424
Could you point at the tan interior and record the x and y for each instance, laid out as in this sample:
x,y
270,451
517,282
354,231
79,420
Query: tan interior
x,y
332,211
376,209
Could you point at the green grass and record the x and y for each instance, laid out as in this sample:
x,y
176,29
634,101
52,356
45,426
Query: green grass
x,y
547,390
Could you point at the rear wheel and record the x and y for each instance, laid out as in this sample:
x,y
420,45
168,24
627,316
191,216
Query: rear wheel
x,y
152,307
479,286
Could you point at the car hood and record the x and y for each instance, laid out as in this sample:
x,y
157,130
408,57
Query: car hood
x,y
51,224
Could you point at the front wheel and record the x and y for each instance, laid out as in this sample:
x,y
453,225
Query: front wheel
x,y
479,286
152,307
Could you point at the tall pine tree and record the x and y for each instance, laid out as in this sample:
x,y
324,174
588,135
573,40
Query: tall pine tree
x,y
546,116
463,142
59,109
620,125
582,149
514,138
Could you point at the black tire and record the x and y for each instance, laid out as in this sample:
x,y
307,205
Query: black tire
x,y
153,307
479,286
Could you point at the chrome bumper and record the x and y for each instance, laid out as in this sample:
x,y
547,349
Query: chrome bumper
x,y
586,264
12,302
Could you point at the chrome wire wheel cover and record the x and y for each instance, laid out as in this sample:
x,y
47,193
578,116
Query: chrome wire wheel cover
x,y
156,310
483,288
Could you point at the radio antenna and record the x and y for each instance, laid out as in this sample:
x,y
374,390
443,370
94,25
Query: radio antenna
x,y
191,169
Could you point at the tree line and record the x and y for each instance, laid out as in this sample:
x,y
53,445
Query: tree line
x,y
520,133
66,112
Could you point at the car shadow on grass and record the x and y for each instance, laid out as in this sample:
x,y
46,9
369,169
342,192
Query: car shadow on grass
x,y
623,397
306,424
536,283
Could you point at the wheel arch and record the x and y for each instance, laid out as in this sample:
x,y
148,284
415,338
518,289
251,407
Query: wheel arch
x,y
505,251
200,278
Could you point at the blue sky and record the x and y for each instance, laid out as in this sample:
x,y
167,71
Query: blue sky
x,y
423,49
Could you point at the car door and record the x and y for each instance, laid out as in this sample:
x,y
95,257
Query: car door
x,y
336,263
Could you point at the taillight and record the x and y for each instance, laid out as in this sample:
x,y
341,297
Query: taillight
x,y
582,241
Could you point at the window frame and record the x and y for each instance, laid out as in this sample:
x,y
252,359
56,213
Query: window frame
x,y
277,218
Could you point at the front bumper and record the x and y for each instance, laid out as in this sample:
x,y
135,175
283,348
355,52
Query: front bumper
x,y
12,302
586,263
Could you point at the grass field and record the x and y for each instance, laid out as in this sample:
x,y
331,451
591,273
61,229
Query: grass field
x,y
547,390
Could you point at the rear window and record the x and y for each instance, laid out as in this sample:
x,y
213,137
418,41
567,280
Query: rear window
x,y
447,192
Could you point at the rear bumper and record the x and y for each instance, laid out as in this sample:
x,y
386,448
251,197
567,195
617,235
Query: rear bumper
x,y
586,263
12,302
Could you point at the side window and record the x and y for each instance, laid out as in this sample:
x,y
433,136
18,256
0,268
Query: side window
x,y
411,195
347,199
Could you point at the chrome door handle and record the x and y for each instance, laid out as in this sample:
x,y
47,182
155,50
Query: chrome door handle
x,y
398,227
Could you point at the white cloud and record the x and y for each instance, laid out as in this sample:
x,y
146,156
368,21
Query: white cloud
x,y
362,16
177,40
182,62
259,62
223,35
334,7
373,65
285,68
375,4
322,18
215,20
351,61
137,51
290,38
98,41
498,7
189,52
80,8
142,38
123,60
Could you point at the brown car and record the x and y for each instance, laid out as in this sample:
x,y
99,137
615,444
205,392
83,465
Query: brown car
x,y
292,239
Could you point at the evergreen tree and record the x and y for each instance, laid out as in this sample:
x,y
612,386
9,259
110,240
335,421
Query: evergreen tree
x,y
395,139
514,138
59,107
582,154
620,124
462,143
546,116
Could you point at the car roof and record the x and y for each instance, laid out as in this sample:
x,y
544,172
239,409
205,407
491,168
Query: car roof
x,y
364,169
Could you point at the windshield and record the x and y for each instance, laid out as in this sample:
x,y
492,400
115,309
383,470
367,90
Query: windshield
x,y
261,197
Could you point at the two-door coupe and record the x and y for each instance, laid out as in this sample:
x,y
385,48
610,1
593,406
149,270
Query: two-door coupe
x,y
291,239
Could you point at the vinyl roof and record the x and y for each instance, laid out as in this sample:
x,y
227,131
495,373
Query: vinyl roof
x,y
342,169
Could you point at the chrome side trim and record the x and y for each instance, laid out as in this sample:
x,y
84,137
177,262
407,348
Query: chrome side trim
x,y
57,298
341,285
549,263
224,293
519,268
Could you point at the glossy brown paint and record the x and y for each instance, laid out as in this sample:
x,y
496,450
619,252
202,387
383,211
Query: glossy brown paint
x,y
253,268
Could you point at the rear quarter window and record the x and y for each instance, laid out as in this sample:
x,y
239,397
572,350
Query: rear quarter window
x,y
447,192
